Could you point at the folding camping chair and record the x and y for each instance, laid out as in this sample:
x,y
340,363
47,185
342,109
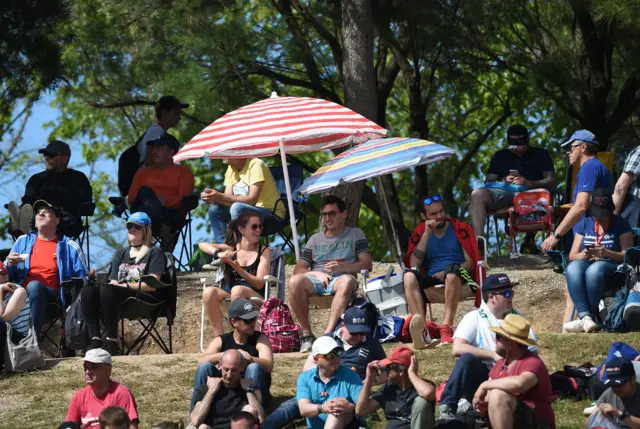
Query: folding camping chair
x,y
56,312
147,314
274,224
275,280
531,212
85,211
181,227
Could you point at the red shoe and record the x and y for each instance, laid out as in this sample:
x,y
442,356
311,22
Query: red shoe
x,y
446,334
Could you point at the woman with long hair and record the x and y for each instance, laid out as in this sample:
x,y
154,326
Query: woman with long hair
x,y
246,263
127,268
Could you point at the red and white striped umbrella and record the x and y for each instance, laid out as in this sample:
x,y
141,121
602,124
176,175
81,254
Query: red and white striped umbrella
x,y
301,124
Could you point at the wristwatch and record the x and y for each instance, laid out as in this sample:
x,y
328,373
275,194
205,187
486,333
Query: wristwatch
x,y
319,408
623,415
556,235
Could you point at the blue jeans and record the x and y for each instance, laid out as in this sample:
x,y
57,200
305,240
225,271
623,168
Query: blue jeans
x,y
261,380
586,282
467,375
287,412
39,296
220,216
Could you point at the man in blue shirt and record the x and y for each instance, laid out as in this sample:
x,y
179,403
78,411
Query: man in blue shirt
x,y
582,149
517,168
328,393
360,349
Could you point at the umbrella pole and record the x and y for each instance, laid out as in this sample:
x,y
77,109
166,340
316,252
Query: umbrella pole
x,y
393,228
292,216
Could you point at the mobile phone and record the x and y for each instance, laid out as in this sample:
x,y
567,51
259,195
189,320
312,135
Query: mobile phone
x,y
513,172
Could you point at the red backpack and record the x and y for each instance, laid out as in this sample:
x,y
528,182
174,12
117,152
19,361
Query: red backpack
x,y
276,323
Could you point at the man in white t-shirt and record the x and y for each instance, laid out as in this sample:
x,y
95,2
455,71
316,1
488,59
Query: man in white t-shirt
x,y
168,111
474,344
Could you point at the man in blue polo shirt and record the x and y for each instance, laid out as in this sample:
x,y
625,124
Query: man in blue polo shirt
x,y
582,149
360,349
328,393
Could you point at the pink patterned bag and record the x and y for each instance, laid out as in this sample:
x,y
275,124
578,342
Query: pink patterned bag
x,y
276,323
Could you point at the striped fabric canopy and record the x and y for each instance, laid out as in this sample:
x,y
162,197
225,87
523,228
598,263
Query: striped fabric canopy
x,y
374,158
303,124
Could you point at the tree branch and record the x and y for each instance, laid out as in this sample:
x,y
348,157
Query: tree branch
x,y
287,80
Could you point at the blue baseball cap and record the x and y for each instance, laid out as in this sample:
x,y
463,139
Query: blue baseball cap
x,y
497,281
355,321
584,135
139,218
618,371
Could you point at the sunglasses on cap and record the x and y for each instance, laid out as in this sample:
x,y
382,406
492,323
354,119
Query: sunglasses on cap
x,y
133,226
508,293
333,353
430,200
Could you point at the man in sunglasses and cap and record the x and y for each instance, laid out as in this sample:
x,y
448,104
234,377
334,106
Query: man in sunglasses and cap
x,y
408,401
621,401
518,393
65,187
517,168
327,394
582,149
43,259
253,346
475,347
442,251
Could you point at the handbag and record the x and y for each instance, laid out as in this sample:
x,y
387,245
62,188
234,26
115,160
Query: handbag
x,y
24,355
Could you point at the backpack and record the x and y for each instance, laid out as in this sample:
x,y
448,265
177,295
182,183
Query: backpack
x,y
276,323
371,311
615,313
128,165
75,328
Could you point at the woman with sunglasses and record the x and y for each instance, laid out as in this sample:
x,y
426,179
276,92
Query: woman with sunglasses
x,y
598,247
127,267
246,262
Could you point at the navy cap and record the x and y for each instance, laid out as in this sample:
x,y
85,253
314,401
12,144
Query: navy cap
x,y
601,203
497,281
56,147
165,139
618,371
166,102
355,321
584,135
241,308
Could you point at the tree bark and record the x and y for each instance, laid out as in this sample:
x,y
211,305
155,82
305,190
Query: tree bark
x,y
359,83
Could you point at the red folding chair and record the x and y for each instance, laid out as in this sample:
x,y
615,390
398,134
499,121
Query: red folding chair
x,y
531,212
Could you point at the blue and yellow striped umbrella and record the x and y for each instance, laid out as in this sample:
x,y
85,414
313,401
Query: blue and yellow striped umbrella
x,y
374,158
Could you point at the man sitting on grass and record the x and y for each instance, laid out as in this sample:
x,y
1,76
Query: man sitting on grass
x,y
518,392
360,349
620,403
408,401
218,399
328,265
101,392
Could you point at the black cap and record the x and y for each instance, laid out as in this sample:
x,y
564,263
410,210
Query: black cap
x,y
601,203
69,425
518,135
56,147
497,281
241,308
618,371
166,139
167,102
45,204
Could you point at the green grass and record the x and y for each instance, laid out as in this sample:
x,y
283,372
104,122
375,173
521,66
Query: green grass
x,y
162,384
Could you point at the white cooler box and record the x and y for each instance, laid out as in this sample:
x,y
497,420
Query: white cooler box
x,y
387,293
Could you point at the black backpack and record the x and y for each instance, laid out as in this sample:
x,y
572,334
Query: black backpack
x,y
75,327
128,165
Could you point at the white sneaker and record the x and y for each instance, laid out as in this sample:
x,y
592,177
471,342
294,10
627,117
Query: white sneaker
x,y
573,326
463,406
590,410
589,325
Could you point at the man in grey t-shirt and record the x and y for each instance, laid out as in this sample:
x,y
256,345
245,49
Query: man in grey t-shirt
x,y
620,403
327,266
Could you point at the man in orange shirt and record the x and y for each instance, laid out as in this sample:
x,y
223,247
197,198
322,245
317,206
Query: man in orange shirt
x,y
42,259
157,189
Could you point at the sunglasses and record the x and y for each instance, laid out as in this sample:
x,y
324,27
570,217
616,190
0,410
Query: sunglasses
x,y
135,226
506,293
256,226
330,214
249,321
50,155
572,147
430,200
393,367
333,353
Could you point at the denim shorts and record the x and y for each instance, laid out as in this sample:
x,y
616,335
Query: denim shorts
x,y
319,287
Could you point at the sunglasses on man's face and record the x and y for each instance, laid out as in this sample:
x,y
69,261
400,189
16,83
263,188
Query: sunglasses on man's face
x,y
249,321
50,155
135,226
572,147
430,200
506,293
393,367
333,353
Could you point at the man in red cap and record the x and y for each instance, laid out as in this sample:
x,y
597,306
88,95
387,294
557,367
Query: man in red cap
x,y
408,401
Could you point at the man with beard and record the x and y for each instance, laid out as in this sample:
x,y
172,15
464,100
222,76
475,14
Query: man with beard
x,y
442,251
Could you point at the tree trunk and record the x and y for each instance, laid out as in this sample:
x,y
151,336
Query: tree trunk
x,y
359,83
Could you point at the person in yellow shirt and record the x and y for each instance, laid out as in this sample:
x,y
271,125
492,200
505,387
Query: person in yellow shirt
x,y
248,185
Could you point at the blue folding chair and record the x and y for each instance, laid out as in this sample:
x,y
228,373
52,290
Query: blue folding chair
x,y
274,224
562,259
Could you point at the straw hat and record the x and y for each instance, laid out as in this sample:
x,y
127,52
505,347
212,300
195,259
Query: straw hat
x,y
515,328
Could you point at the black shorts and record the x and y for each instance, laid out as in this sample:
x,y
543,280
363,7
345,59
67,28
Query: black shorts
x,y
526,417
426,281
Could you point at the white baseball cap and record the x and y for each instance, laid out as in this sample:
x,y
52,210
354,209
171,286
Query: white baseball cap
x,y
324,345
98,356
